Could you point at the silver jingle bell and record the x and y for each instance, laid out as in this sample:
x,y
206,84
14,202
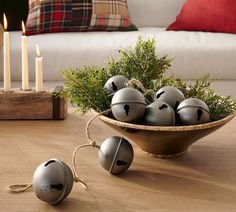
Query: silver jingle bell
x,y
170,95
128,105
114,84
193,111
116,154
52,181
159,113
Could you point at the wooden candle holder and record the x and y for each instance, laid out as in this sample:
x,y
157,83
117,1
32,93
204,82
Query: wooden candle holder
x,y
20,104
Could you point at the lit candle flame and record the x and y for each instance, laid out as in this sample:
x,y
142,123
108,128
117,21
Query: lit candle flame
x,y
4,21
37,50
23,27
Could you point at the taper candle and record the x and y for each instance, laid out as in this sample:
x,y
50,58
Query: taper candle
x,y
38,71
6,56
24,60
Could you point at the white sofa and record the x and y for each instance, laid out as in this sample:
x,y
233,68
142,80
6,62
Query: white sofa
x,y
194,53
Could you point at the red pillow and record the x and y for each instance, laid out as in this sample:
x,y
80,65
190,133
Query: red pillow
x,y
207,15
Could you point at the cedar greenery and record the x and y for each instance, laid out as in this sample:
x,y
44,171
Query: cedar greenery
x,y
84,86
142,63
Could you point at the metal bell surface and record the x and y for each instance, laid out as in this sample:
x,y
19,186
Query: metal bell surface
x,y
128,105
193,111
52,181
170,95
116,154
159,113
114,84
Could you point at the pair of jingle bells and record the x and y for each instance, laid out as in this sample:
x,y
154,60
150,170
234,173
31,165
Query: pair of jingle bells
x,y
53,179
190,111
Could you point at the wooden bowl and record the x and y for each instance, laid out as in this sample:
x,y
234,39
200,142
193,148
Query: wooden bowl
x,y
160,141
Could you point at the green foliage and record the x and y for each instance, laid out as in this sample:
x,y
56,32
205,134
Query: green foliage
x,y
219,106
84,86
141,63
200,87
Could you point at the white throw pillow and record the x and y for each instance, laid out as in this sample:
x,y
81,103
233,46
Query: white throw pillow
x,y
154,13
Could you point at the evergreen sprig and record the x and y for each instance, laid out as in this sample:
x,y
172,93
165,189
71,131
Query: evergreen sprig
x,y
219,106
141,63
200,87
84,86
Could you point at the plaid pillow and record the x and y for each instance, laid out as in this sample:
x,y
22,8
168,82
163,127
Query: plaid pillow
x,y
77,15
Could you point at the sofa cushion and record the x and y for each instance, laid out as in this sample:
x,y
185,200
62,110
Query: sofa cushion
x,y
77,15
154,13
210,16
194,53
15,11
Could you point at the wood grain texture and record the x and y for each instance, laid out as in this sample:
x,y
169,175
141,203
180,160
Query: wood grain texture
x,y
32,105
201,180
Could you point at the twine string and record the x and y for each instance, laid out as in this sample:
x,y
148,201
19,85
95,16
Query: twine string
x,y
76,177
92,143
140,85
18,188
137,83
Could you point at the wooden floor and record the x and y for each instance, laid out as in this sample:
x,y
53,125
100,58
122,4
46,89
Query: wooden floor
x,y
204,179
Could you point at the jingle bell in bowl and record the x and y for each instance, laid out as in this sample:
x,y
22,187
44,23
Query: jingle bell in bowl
x,y
193,111
170,95
116,154
52,181
128,105
114,84
159,113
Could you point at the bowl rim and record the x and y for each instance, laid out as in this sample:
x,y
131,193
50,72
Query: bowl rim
x,y
165,128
